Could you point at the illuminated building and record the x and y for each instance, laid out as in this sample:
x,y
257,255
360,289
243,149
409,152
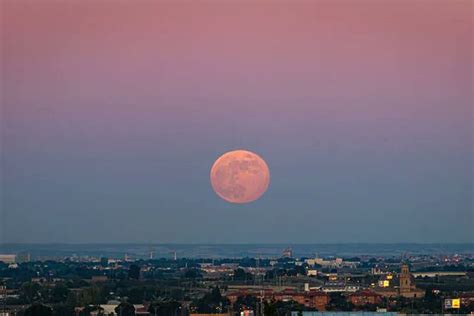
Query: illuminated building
x,y
407,285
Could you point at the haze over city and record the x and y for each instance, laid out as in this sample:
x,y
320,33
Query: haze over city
x,y
114,113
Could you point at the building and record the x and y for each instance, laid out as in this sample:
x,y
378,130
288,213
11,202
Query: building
x,y
218,270
365,297
109,310
312,299
234,295
434,274
467,298
341,286
386,280
8,258
407,286
99,278
337,262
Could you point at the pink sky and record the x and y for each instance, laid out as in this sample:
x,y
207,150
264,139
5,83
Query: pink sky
x,y
374,94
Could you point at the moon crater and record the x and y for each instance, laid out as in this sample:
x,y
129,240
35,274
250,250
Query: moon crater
x,y
240,176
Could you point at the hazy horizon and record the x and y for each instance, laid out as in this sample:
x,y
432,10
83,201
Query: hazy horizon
x,y
113,113
49,251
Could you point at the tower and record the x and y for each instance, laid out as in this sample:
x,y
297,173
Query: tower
x,y
405,279
408,287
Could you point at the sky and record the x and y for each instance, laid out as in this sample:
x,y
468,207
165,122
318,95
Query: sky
x,y
113,113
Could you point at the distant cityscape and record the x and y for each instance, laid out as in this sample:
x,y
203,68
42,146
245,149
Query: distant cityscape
x,y
143,251
152,280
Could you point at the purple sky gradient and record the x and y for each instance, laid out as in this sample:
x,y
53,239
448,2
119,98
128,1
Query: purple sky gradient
x,y
113,113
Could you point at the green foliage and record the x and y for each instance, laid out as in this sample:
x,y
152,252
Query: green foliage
x,y
212,302
125,309
270,309
104,262
338,302
138,294
38,310
31,292
246,302
59,293
279,308
134,272
241,275
63,310
161,308
192,274
90,296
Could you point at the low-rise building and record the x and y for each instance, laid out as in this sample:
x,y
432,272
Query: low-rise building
x,y
467,298
8,258
331,287
109,310
365,297
312,299
99,278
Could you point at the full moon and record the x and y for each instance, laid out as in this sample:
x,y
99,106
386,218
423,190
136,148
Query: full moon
x,y
240,176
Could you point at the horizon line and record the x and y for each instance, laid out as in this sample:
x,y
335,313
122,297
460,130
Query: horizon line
x,y
237,243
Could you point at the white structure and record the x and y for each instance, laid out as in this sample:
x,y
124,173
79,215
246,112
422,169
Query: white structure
x,y
337,262
325,263
109,310
8,258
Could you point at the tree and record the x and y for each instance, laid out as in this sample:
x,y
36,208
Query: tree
x,y
134,272
192,274
125,309
270,309
246,302
87,311
338,302
63,310
136,295
241,275
211,302
38,310
31,292
278,308
59,293
90,296
164,308
104,262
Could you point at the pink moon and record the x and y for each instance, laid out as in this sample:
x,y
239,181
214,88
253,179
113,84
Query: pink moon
x,y
240,176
